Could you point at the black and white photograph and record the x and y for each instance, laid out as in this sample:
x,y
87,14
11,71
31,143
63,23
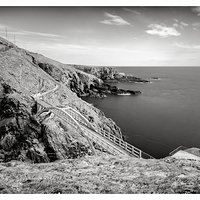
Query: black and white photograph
x,y
100,99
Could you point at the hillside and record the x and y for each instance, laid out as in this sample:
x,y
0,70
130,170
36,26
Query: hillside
x,y
44,138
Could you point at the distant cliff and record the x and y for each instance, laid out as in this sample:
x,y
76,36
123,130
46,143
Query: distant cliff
x,y
109,74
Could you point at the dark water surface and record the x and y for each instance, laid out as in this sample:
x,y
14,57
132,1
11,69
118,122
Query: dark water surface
x,y
167,113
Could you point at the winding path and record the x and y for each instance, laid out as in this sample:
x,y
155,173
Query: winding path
x,y
110,142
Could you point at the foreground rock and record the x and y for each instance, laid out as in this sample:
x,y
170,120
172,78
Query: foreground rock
x,y
102,174
25,137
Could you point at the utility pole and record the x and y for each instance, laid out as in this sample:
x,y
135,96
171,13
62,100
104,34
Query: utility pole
x,y
6,33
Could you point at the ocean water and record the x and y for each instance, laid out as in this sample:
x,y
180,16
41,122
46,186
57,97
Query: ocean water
x,y
167,113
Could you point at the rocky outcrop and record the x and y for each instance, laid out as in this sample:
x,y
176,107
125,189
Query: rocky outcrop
x,y
104,73
77,81
19,133
109,74
87,81
114,90
26,138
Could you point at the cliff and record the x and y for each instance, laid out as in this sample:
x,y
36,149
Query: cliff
x,y
109,74
44,138
84,81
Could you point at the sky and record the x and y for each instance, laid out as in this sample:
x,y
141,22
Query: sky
x,y
110,36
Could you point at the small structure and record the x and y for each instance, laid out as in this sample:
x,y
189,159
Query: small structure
x,y
186,153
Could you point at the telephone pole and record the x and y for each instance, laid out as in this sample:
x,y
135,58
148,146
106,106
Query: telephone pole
x,y
6,33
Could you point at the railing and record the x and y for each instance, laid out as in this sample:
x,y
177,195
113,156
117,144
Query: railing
x,y
75,118
133,151
116,140
79,117
177,149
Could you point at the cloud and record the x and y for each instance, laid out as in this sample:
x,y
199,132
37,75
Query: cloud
x,y
183,24
186,46
14,31
114,20
176,20
180,24
36,33
175,25
196,10
132,11
196,24
162,31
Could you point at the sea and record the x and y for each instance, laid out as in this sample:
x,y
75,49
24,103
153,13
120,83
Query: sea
x,y
165,116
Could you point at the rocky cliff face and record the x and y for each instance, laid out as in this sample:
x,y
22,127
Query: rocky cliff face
x,y
104,73
25,137
83,81
77,81
109,74
45,138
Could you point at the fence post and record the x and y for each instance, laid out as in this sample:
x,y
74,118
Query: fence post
x,y
109,135
140,154
114,139
126,146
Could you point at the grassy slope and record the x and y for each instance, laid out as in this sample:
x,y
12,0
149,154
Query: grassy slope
x,y
102,174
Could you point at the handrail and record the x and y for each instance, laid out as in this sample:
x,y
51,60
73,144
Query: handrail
x,y
116,140
73,111
131,150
